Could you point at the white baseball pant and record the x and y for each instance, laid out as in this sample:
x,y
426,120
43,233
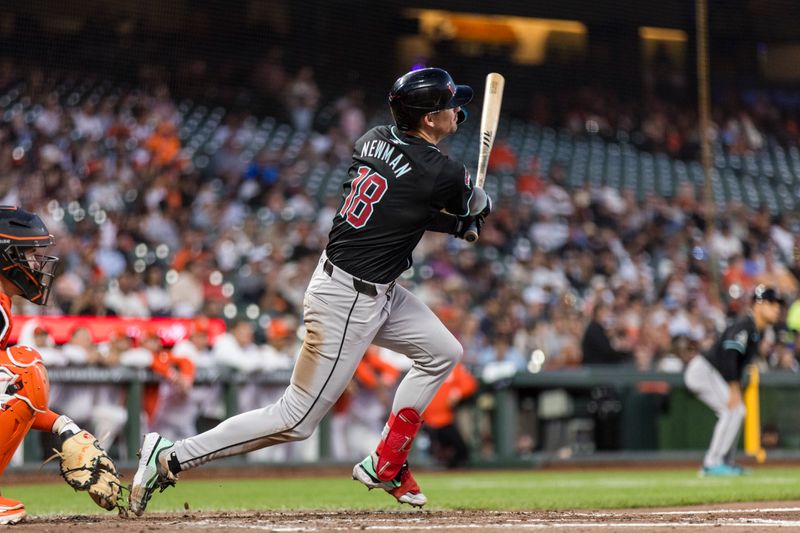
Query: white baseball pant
x,y
708,385
342,316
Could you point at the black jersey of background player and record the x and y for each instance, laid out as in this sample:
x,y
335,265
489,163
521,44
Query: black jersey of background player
x,y
735,348
394,187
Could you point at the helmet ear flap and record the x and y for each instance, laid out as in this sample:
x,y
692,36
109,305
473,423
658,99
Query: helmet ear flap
x,y
462,116
403,118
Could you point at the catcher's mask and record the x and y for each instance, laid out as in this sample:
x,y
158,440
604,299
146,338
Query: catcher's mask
x,y
423,91
23,236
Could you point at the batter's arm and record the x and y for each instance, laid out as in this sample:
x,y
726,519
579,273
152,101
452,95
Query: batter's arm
x,y
444,222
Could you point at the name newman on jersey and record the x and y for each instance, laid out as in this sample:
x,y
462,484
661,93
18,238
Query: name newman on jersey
x,y
383,150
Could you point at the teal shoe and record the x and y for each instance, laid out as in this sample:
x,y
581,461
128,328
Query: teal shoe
x,y
721,471
740,469
150,475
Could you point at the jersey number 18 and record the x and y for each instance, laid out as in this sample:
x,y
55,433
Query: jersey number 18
x,y
366,190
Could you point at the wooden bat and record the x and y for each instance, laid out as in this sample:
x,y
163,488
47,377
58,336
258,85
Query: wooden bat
x,y
492,101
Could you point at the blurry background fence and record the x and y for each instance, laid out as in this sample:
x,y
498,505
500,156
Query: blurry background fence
x,y
586,415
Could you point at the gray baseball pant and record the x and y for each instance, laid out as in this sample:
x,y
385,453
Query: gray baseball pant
x,y
341,322
708,385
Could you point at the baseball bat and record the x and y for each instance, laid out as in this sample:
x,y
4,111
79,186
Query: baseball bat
x,y
490,115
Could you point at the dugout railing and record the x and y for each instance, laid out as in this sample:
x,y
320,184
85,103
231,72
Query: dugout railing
x,y
557,414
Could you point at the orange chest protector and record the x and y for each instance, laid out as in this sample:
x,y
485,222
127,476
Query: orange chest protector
x,y
23,376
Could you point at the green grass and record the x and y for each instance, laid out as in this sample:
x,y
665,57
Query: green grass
x,y
529,490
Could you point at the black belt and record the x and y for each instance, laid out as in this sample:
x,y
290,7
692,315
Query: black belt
x,y
364,287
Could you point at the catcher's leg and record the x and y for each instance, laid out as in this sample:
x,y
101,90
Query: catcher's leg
x,y
11,511
24,393
16,418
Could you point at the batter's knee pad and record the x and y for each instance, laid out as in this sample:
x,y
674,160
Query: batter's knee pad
x,y
395,445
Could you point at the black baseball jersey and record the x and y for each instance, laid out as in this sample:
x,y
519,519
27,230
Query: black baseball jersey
x,y
395,186
735,348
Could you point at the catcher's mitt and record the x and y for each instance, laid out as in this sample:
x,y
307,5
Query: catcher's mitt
x,y
86,466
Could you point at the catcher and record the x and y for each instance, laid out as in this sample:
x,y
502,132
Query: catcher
x,y
24,387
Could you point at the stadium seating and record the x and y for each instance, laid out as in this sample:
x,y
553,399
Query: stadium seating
x,y
766,179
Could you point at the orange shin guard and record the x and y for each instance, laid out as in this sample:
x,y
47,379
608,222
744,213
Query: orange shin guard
x,y
16,419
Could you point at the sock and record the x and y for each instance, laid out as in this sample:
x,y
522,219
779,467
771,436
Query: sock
x,y
172,463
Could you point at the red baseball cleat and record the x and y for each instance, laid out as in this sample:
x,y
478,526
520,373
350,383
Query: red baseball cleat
x,y
403,487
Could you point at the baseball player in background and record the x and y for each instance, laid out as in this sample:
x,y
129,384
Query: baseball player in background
x,y
716,377
399,186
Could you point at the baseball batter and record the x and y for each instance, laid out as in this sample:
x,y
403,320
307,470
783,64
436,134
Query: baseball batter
x,y
715,378
399,186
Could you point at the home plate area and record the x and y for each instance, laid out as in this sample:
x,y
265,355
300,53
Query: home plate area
x,y
737,517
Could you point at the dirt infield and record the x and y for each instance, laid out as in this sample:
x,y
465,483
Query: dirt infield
x,y
723,518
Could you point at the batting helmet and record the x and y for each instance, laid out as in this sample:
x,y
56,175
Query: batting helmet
x,y
765,293
21,234
423,91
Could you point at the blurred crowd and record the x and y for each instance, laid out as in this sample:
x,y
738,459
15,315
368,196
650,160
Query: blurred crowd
x,y
561,278
143,232
741,122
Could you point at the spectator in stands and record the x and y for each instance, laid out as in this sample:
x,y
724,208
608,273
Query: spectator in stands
x,y
186,292
352,119
82,350
503,159
724,243
173,411
682,349
102,402
500,358
302,99
603,343
155,292
164,145
206,397
280,348
125,296
529,181
264,170
361,410
236,350
447,444
559,340
35,335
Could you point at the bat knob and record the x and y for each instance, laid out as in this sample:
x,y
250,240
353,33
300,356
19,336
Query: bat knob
x,y
472,234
